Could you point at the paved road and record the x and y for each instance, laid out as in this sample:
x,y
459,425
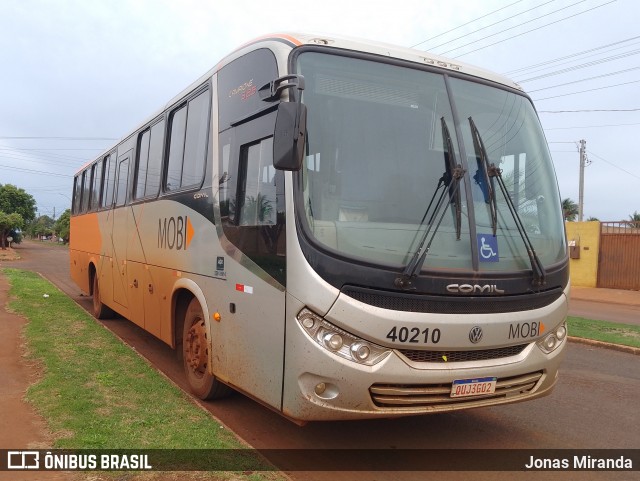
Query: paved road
x,y
593,407
605,312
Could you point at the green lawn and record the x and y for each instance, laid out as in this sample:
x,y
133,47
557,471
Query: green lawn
x,y
97,393
613,332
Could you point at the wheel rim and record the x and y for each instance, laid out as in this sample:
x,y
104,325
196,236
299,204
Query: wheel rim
x,y
196,351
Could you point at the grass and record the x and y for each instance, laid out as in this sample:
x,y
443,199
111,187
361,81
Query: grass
x,y
97,393
612,332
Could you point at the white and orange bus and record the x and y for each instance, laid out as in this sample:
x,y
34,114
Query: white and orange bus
x,y
339,229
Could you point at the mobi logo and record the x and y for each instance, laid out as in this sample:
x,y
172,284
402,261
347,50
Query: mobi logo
x,y
175,233
524,330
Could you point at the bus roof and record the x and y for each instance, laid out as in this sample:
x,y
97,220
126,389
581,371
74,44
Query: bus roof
x,y
292,40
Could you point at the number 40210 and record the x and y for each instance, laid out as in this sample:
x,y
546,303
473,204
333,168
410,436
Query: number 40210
x,y
414,335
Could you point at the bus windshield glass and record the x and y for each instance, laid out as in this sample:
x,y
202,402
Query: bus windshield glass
x,y
377,156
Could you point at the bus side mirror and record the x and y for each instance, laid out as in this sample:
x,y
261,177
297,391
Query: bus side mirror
x,y
289,136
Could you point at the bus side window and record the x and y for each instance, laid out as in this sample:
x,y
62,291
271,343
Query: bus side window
x,y
154,168
123,182
96,184
141,164
76,194
257,198
85,190
188,143
109,184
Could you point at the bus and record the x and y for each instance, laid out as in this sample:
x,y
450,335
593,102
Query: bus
x,y
337,228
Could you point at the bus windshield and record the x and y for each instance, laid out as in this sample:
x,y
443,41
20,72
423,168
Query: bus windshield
x,y
377,155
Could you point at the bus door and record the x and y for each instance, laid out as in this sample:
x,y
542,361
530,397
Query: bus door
x,y
253,235
137,278
119,234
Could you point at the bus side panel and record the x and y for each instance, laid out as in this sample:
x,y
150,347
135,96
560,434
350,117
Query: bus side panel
x,y
85,243
79,270
104,269
119,255
157,302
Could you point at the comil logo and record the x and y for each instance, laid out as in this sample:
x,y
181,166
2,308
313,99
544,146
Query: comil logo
x,y
474,288
175,233
23,460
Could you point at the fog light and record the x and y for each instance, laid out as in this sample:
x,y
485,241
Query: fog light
x,y
550,342
360,351
561,332
333,341
320,388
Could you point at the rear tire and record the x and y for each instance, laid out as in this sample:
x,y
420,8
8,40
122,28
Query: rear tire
x,y
195,355
100,310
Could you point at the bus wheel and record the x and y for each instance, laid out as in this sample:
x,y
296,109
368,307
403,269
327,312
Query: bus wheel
x,y
100,311
195,347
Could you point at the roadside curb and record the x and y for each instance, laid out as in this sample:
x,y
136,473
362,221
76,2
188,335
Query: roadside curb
x,y
607,345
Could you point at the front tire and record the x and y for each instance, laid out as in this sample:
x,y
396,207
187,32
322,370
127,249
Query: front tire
x,y
195,350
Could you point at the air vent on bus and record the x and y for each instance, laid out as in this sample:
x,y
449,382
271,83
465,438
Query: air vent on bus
x,y
462,356
450,304
436,395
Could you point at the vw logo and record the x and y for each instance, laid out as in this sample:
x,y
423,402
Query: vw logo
x,y
475,334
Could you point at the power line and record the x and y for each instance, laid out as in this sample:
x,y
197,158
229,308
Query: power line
x,y
465,24
585,110
57,162
35,171
47,149
591,126
57,138
496,23
583,65
511,72
585,79
46,156
507,29
534,29
590,90
614,165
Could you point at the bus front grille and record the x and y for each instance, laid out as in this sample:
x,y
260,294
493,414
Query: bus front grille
x,y
432,395
451,304
462,356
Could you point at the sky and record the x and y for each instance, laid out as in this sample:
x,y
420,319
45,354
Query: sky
x,y
75,76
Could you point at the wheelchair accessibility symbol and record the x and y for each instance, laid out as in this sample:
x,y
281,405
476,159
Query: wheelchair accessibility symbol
x,y
488,248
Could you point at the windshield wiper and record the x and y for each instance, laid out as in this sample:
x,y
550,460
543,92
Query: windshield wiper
x,y
486,170
450,180
450,165
492,172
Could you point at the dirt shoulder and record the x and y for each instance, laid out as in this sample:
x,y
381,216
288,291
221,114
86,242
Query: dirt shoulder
x,y
8,254
20,426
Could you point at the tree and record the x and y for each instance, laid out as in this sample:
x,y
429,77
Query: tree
x,y
569,210
7,223
15,200
62,226
635,220
592,219
42,226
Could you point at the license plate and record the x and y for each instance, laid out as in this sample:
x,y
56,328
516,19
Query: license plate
x,y
474,387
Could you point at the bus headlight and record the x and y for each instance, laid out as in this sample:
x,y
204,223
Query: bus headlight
x,y
553,340
340,342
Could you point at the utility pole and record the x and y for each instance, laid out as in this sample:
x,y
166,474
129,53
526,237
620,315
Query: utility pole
x,y
583,161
